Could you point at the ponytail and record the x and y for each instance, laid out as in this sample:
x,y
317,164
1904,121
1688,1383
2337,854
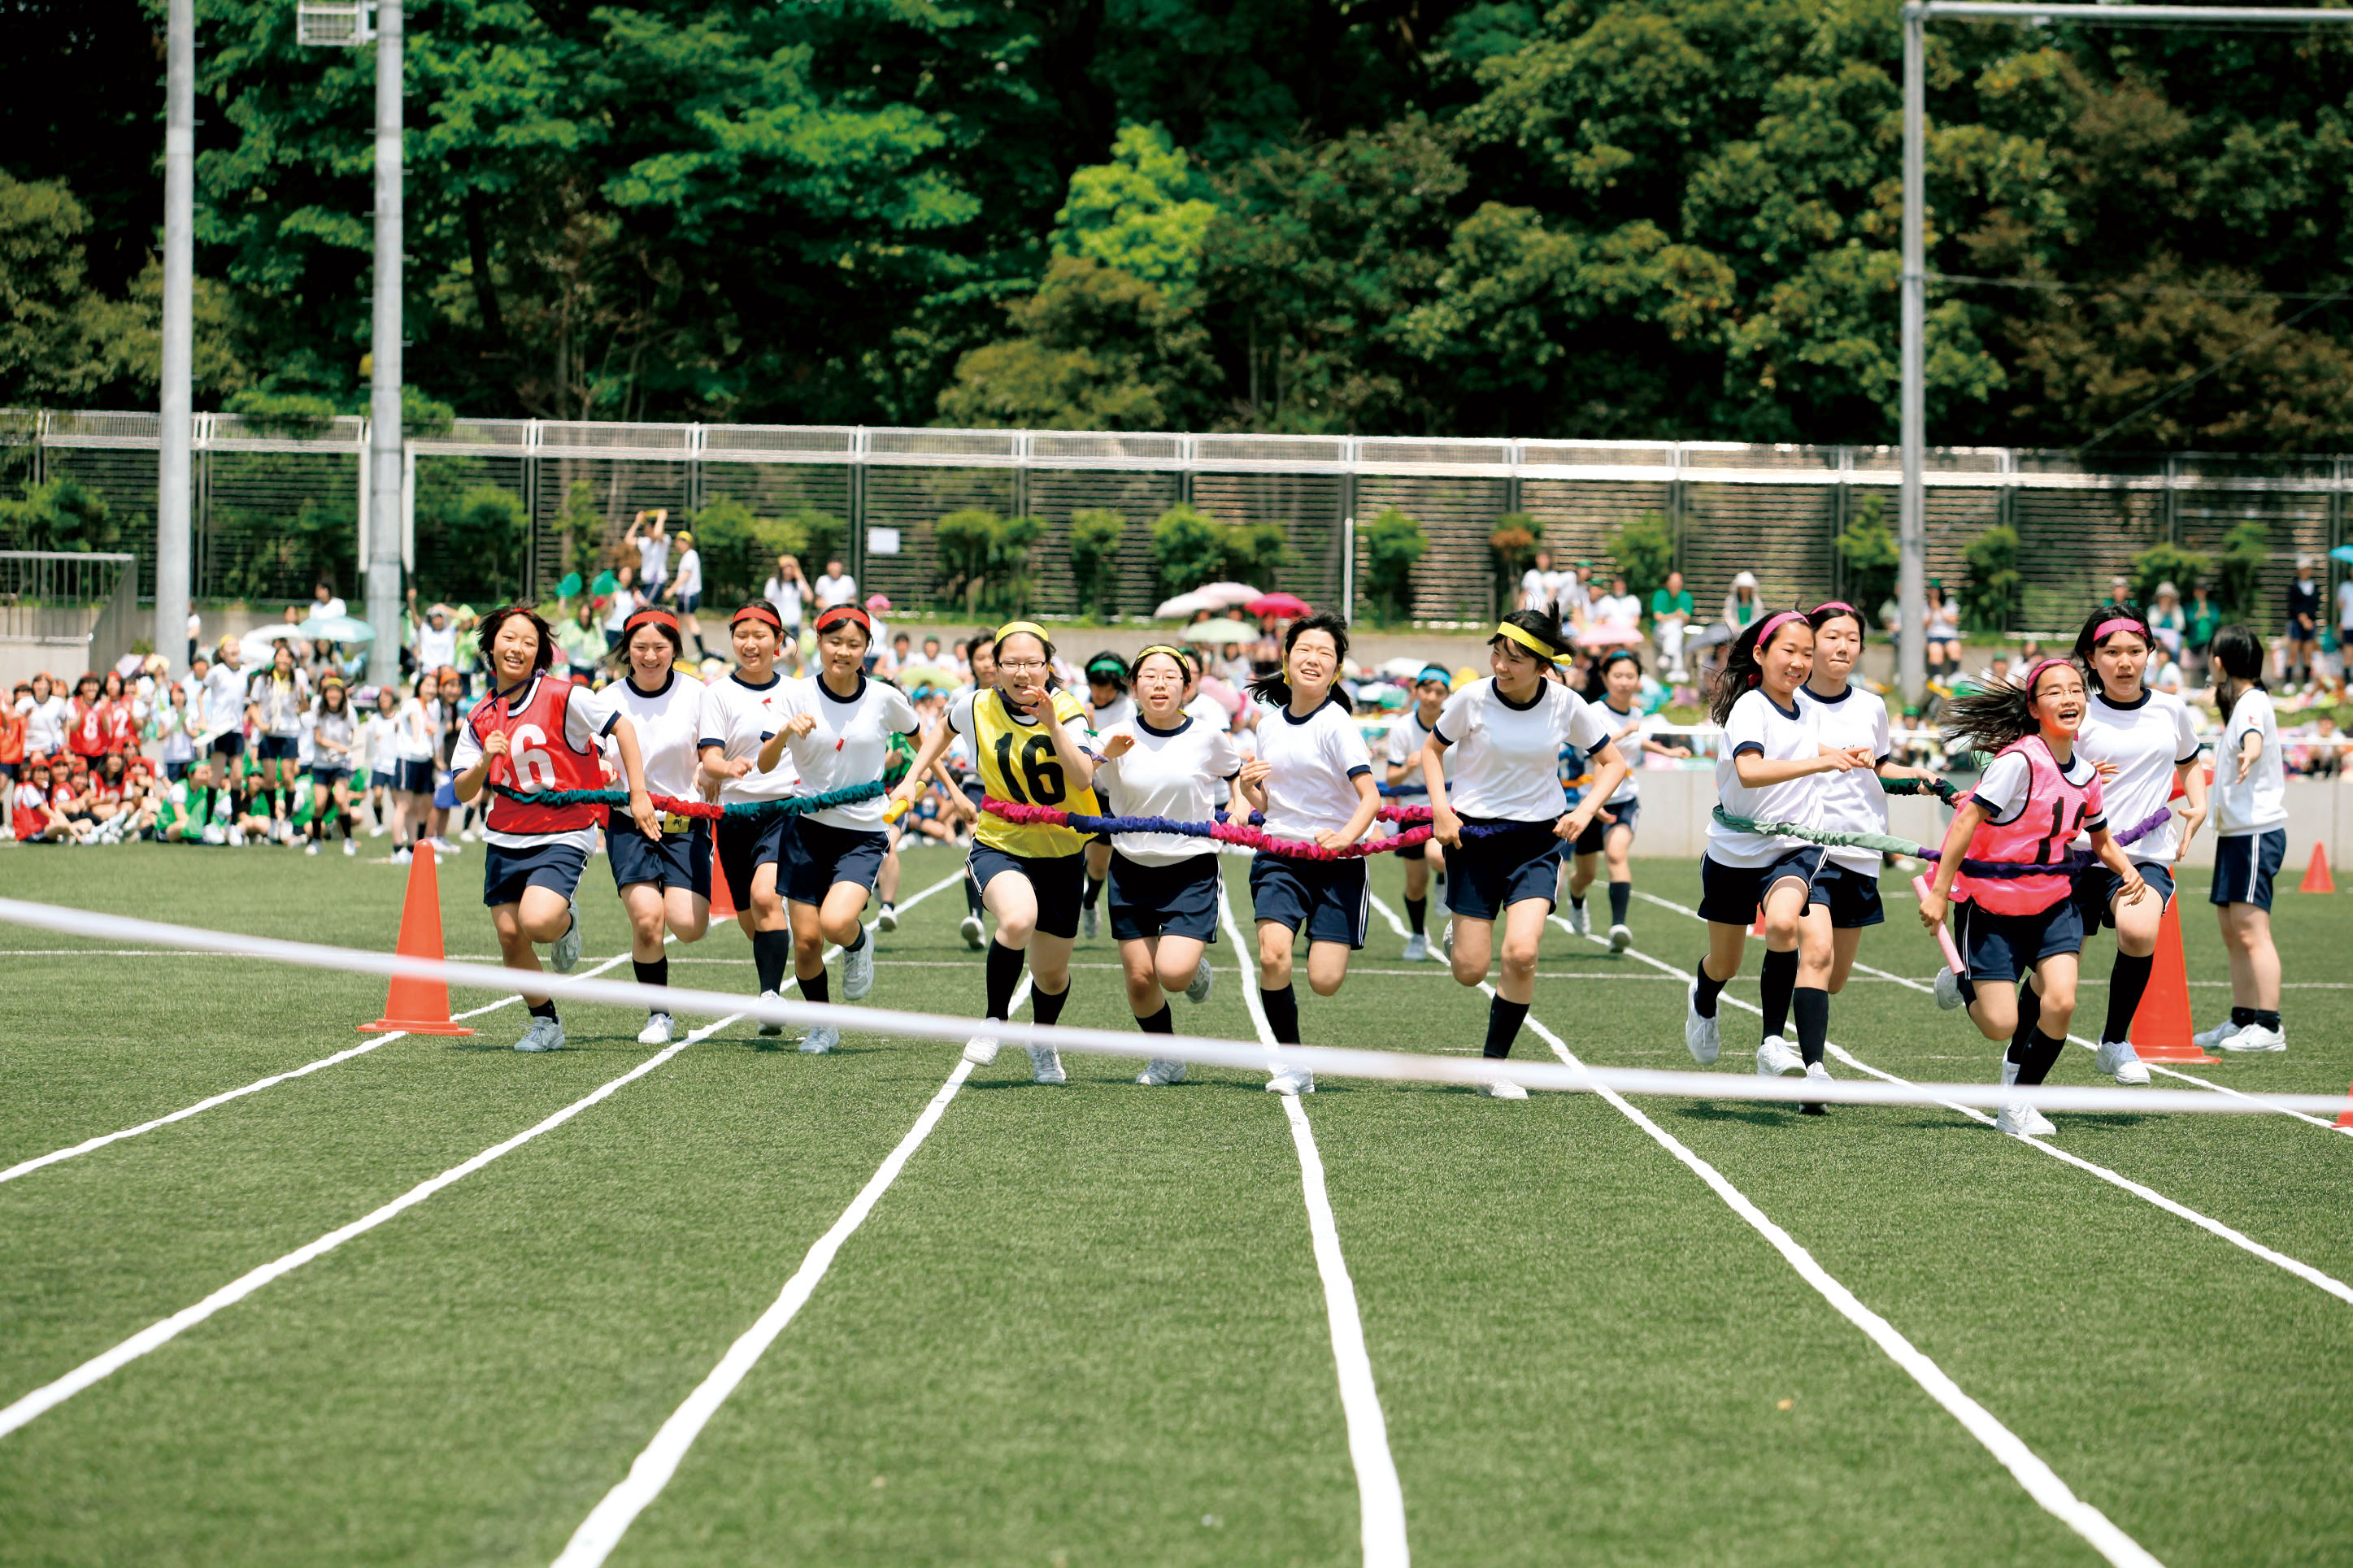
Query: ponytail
x,y
1743,664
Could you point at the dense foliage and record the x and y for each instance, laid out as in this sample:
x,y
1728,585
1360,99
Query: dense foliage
x,y
1610,218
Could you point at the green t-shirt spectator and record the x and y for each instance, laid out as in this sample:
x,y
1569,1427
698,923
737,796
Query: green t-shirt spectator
x,y
1665,604
2204,619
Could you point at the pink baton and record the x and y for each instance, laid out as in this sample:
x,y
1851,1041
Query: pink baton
x,y
1944,937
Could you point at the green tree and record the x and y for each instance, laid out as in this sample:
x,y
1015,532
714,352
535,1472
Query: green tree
x,y
1187,549
1643,549
1144,213
1095,536
2167,563
1869,555
2239,569
1513,541
1991,595
489,528
581,523
1094,349
984,560
1392,543
60,514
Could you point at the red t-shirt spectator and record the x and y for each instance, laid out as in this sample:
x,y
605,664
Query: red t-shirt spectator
x,y
12,736
85,725
30,819
122,725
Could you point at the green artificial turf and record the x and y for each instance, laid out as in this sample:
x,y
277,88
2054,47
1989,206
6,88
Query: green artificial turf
x,y
1086,1326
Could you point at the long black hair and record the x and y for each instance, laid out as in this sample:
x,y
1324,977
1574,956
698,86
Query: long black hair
x,y
1541,625
1999,715
486,637
2238,653
2088,640
1276,689
1596,680
1744,667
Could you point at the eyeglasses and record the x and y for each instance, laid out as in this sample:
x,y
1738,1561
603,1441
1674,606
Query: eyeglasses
x,y
1021,665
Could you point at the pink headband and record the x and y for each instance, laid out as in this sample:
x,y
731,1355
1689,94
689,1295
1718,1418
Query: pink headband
x,y
2119,624
2034,673
1765,636
1838,604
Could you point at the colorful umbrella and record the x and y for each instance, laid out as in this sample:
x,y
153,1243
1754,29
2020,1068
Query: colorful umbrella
x,y
1290,606
1225,595
1182,605
1220,631
1609,633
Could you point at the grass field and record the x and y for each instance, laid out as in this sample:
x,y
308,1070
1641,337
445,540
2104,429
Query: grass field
x,y
1088,1325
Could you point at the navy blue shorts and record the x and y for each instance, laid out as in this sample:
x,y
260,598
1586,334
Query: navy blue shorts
x,y
2095,891
381,778
1328,897
673,860
2244,864
1729,895
507,873
1852,897
1056,881
1492,872
413,775
1164,901
278,748
2002,948
231,744
743,845
1596,836
1417,851
817,857
326,778
688,602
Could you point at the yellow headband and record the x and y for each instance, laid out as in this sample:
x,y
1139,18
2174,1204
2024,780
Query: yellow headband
x,y
1527,640
1032,627
1183,664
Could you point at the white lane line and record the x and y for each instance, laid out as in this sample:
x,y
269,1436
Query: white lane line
x,y
2323,1122
155,1335
2294,1265
1380,1500
651,1471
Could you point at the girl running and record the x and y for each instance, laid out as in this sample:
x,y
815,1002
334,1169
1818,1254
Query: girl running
x,y
278,696
664,878
2034,796
960,775
2142,742
539,731
1769,772
838,725
1430,690
2250,820
1510,729
412,788
1313,777
1108,704
1615,688
1026,743
334,730
1164,886
739,714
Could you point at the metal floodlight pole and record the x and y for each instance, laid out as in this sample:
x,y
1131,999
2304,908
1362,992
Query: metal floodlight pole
x,y
384,523
176,399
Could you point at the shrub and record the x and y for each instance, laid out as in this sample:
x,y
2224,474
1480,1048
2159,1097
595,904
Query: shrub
x,y
1643,550
1392,543
60,514
1189,548
1095,536
820,537
984,560
1869,553
488,530
1514,542
582,525
2239,569
2167,563
1991,598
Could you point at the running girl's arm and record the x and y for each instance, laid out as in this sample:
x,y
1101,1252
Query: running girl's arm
x,y
2112,855
1368,805
2251,746
772,750
1251,782
927,757
1078,762
469,783
1891,768
1610,772
716,768
1966,822
2192,779
1444,825
633,769
1756,772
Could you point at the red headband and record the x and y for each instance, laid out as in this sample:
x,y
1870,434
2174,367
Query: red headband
x,y
2119,624
840,613
758,613
650,615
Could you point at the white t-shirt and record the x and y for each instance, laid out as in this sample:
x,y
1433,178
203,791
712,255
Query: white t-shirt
x,y
1406,737
689,573
1618,610
1122,710
786,597
436,648
281,705
332,730
1569,594
668,723
1211,714
1855,801
2145,742
1627,728
2002,789
1507,754
625,603
653,559
1317,762
225,698
589,718
1757,724
1171,773
380,742
2260,804
849,745
832,591
736,717
2345,604
44,725
1536,589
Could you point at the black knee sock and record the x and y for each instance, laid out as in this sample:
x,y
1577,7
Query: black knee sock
x,y
1704,998
654,973
543,1009
772,955
2266,1017
1577,901
2242,1016
1160,1023
815,987
1004,978
1811,1005
2127,982
2035,1052
1503,1021
1416,915
345,819
1093,892
1780,978
1045,1005
1621,895
1281,1014
2030,1014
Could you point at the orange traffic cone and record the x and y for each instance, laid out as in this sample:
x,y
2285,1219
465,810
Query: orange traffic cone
x,y
1758,927
723,900
2345,1118
2317,878
2160,1028
418,1006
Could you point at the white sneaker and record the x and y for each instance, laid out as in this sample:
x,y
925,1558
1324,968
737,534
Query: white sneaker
x,y
1775,1058
1446,940
237,841
769,1027
658,1030
1949,990
2120,1061
857,971
399,856
1046,1066
820,1040
350,847
378,831
1291,1082
2020,1120
468,836
1500,1089
1204,978
1621,937
2257,1038
1089,922
2208,1040
971,932
566,954
1578,921
1159,1074
1417,949
888,921
443,846
312,847
1815,1073
980,1050
545,1034
1702,1036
